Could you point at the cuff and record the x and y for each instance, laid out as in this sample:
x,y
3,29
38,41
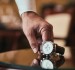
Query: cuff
x,y
26,5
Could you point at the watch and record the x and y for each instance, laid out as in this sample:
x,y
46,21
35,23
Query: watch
x,y
50,53
48,47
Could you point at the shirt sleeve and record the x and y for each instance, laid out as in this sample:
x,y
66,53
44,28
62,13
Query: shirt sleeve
x,y
25,5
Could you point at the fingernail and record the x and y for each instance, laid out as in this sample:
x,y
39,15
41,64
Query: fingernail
x,y
35,50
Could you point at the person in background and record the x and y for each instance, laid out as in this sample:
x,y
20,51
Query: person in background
x,y
47,9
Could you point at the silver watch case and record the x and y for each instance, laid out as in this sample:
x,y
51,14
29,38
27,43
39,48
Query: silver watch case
x,y
47,47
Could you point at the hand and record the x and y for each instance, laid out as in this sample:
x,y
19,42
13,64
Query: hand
x,y
36,29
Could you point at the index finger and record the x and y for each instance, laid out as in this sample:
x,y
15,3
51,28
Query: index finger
x,y
47,33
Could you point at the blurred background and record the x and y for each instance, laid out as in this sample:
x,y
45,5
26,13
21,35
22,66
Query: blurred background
x,y
59,13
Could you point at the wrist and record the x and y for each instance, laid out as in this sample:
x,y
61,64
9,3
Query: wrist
x,y
29,14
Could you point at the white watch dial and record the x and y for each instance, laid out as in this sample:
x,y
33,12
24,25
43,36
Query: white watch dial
x,y
47,64
47,48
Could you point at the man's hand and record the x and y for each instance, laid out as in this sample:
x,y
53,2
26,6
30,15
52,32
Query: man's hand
x,y
34,27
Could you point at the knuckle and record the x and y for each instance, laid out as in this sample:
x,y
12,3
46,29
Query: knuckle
x,y
33,45
46,27
28,34
49,26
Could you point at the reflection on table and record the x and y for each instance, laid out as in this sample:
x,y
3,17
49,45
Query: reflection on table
x,y
26,56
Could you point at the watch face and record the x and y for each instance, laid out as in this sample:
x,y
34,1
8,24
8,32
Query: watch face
x,y
47,64
47,47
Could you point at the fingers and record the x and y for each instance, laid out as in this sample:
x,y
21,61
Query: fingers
x,y
32,40
47,33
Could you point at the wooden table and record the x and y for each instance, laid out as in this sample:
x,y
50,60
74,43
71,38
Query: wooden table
x,y
20,57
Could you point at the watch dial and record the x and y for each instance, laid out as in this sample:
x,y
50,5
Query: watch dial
x,y
47,64
47,48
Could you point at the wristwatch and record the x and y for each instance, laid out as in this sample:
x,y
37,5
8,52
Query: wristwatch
x,y
49,55
49,47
